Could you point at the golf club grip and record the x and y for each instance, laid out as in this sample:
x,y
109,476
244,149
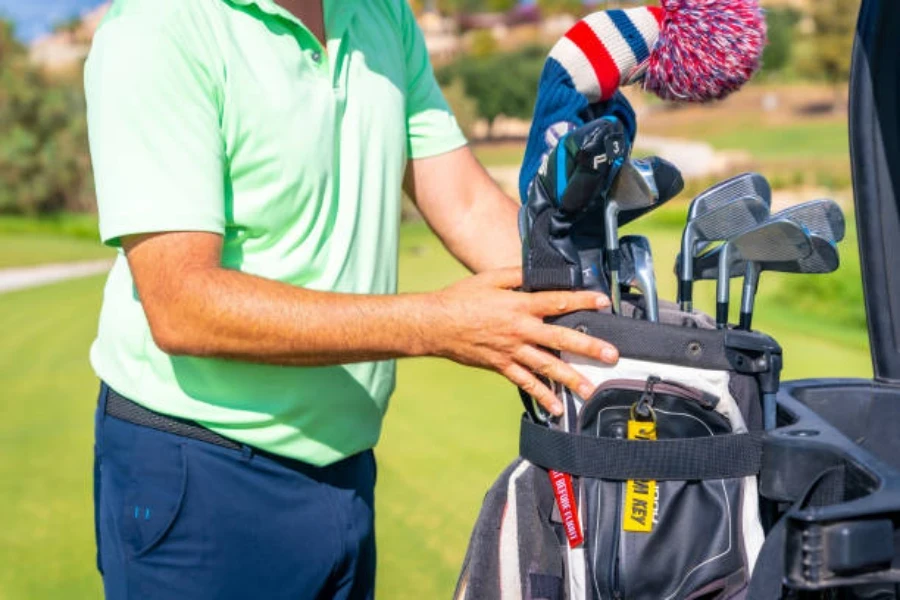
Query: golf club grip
x,y
721,314
685,294
745,321
613,262
615,292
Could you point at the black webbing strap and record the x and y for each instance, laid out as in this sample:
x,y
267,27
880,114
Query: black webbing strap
x,y
768,574
714,457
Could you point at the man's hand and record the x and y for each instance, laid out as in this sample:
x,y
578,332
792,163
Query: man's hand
x,y
482,323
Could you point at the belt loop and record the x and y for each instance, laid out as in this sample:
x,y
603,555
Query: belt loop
x,y
247,452
101,401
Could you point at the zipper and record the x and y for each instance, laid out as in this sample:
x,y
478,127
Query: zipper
x,y
614,546
650,387
654,384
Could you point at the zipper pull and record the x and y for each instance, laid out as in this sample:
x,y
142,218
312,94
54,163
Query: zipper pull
x,y
643,408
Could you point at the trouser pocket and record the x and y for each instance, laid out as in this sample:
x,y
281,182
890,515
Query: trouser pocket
x,y
143,480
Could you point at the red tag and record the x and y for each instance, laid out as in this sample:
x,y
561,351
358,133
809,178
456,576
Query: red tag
x,y
568,510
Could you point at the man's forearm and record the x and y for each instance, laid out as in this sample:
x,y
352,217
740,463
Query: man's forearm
x,y
487,236
220,313
475,219
197,308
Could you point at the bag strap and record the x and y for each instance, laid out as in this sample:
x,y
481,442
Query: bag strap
x,y
715,457
769,573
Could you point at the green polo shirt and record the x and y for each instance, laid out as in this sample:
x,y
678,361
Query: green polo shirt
x,y
230,117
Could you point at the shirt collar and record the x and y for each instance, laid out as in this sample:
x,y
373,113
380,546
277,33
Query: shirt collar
x,y
338,13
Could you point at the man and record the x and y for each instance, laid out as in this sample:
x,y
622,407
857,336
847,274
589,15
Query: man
x,y
249,158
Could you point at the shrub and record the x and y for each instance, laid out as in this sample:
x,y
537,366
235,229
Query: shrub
x,y
500,84
44,162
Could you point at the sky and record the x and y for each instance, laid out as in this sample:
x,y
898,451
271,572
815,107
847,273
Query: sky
x,y
34,18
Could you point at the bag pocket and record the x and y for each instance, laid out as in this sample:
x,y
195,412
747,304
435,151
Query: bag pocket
x,y
662,539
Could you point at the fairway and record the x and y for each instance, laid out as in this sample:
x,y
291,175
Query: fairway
x,y
21,250
449,432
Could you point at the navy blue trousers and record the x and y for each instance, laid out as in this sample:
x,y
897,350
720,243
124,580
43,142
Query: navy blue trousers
x,y
180,519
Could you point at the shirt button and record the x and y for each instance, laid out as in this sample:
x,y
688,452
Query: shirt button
x,y
316,56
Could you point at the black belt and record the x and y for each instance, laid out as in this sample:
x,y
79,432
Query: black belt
x,y
120,407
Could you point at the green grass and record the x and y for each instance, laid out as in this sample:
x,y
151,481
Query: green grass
x,y
46,528
812,139
23,249
504,154
77,225
448,434
813,152
28,241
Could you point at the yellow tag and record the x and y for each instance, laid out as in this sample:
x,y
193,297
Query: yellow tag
x,y
640,495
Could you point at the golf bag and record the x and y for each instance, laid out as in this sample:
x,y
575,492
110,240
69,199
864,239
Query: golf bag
x,y
646,490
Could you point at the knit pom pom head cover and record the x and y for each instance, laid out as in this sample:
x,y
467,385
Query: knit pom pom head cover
x,y
683,50
689,50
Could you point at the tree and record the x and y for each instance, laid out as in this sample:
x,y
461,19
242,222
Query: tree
x,y
500,84
475,6
44,163
483,44
780,22
834,24
572,7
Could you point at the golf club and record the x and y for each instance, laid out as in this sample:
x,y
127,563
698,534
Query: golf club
x,y
824,259
715,224
824,219
775,240
706,265
739,186
637,271
634,188
571,187
744,184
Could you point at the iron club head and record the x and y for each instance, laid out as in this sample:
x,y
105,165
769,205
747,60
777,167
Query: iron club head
x,y
635,188
637,271
822,217
824,258
715,224
775,240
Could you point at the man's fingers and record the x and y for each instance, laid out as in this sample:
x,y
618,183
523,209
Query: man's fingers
x,y
564,339
532,386
554,369
505,279
548,304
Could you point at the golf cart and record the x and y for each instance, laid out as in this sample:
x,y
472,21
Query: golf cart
x,y
847,429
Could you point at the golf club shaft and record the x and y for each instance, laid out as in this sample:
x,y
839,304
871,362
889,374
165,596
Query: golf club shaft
x,y
748,295
686,276
615,290
651,299
770,412
613,256
722,287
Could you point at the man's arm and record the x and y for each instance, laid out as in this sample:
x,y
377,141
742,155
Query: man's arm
x,y
474,218
195,307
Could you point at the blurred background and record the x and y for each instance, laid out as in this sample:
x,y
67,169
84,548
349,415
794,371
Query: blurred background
x,y
450,430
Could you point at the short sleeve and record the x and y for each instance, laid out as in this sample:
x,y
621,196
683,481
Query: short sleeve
x,y
431,126
155,138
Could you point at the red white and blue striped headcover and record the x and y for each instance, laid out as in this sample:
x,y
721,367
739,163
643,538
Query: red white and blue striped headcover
x,y
606,49
686,51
